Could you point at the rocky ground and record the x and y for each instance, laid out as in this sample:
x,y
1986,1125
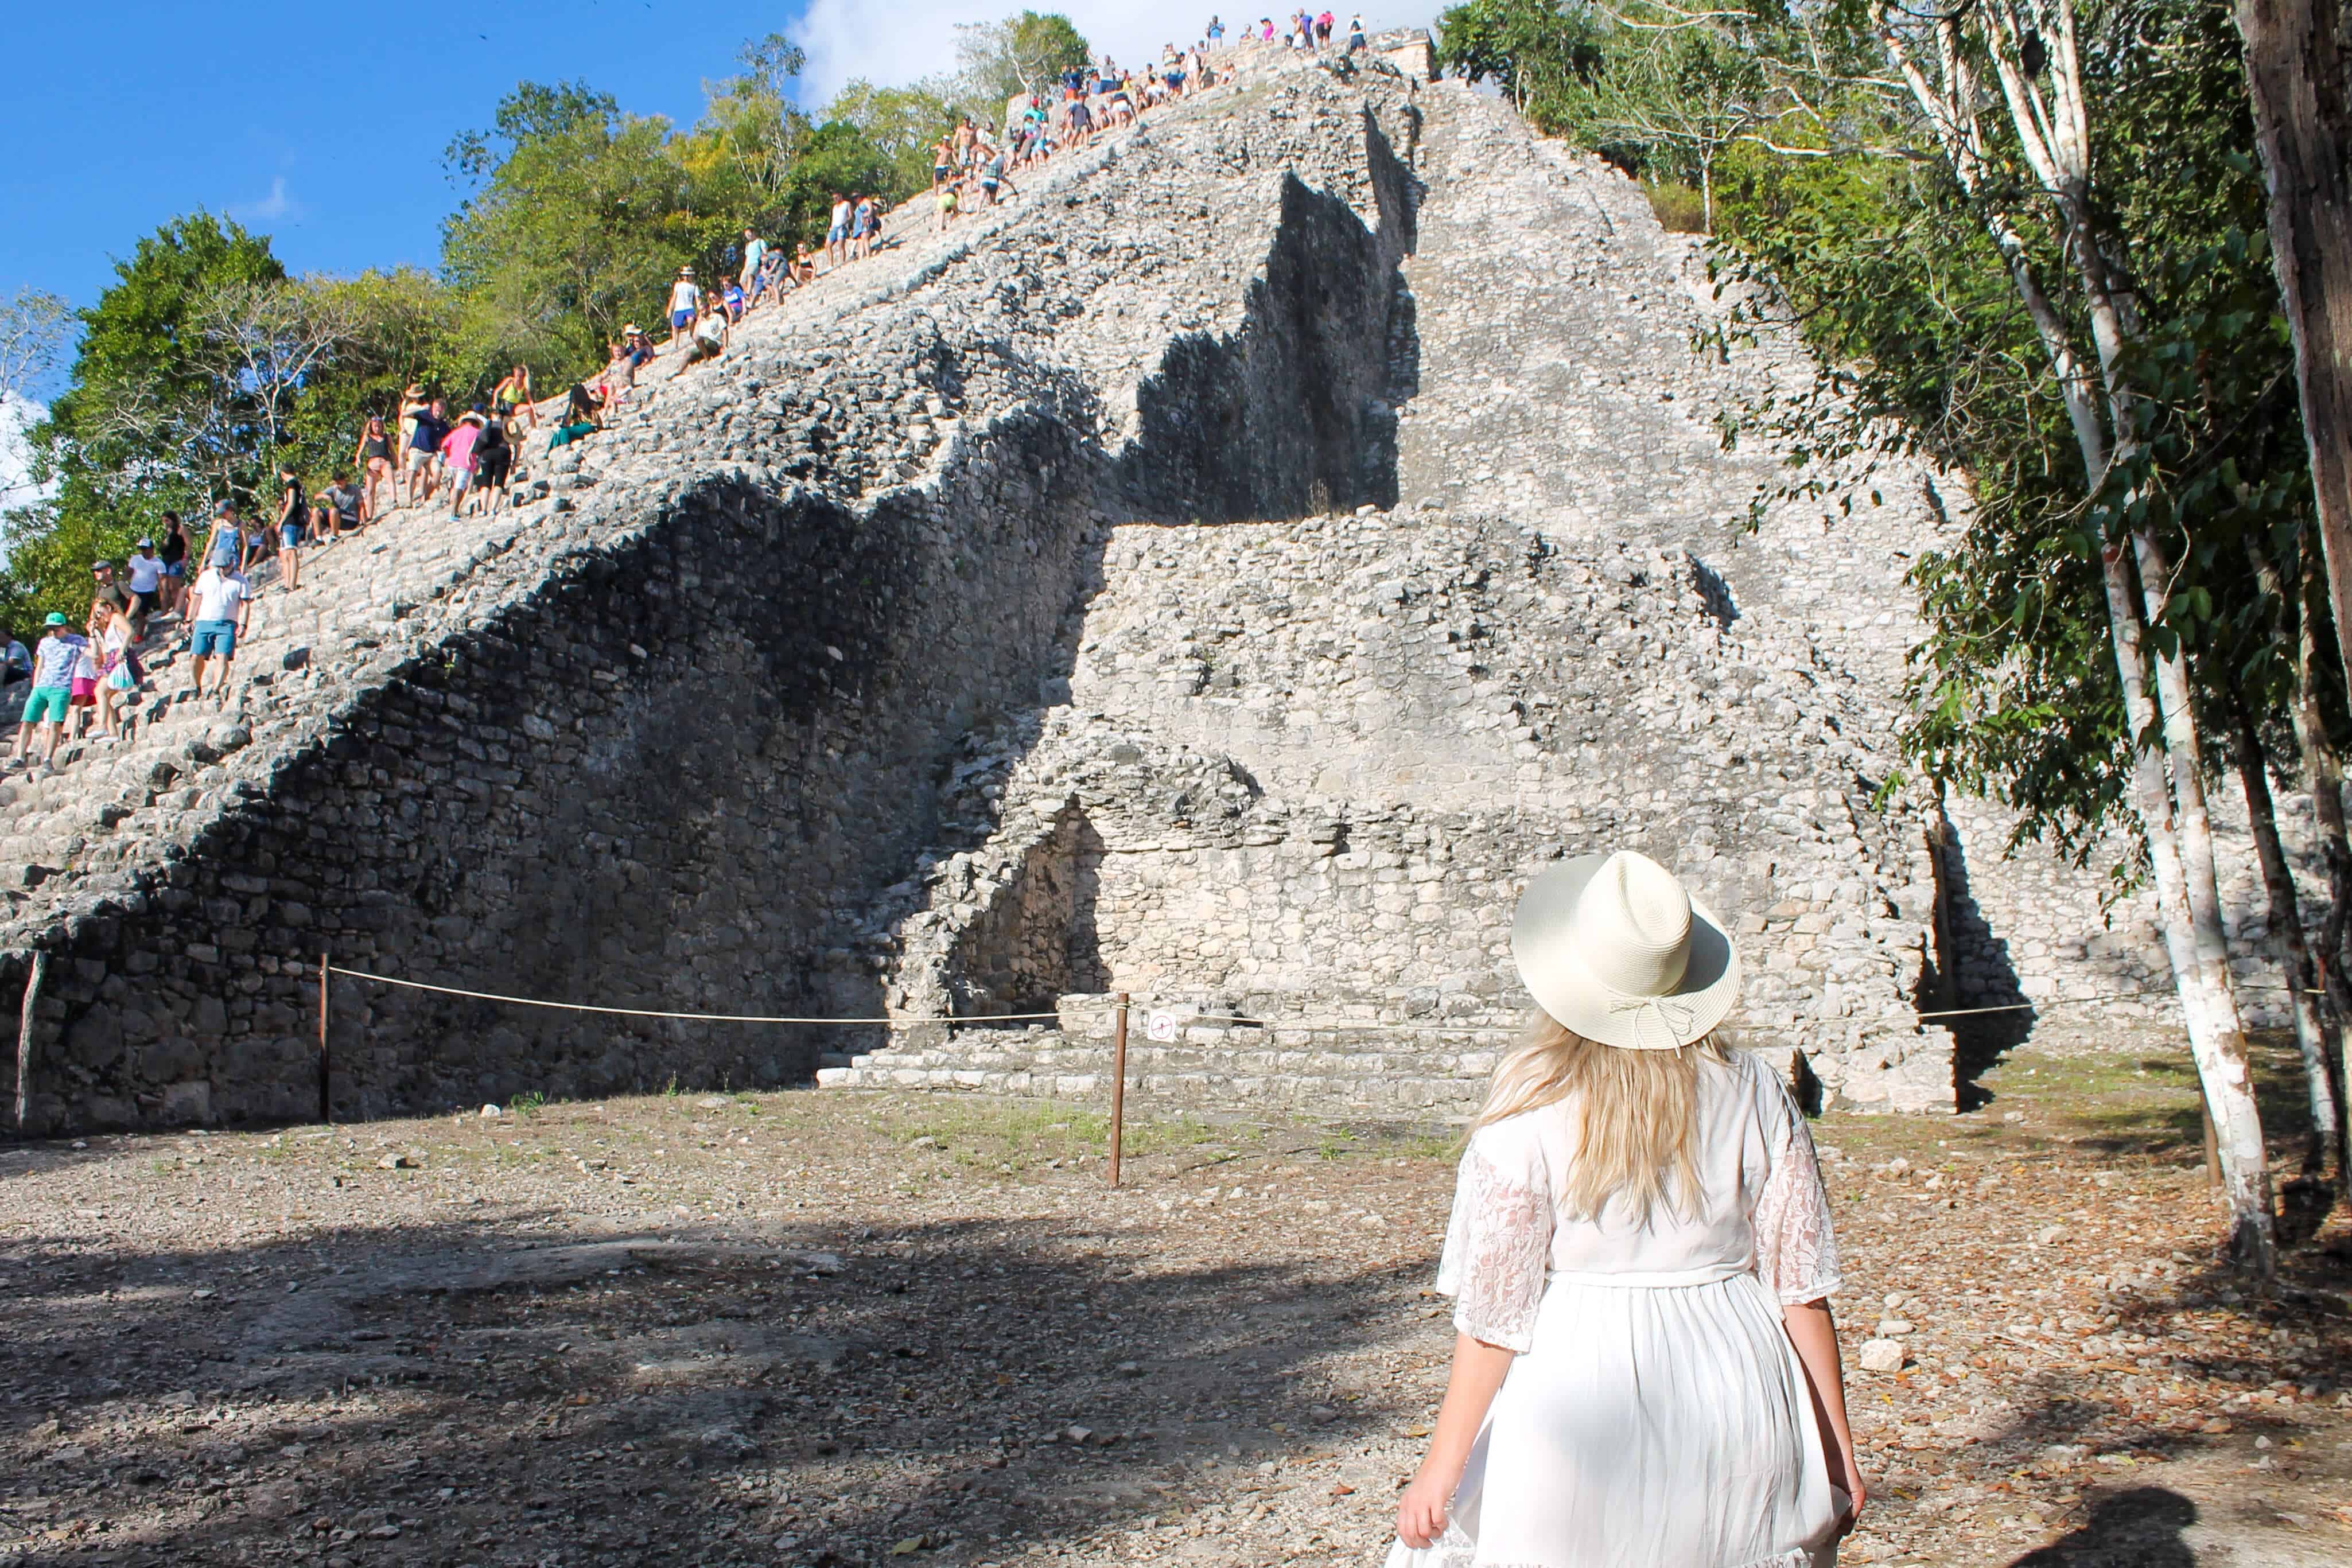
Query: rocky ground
x,y
837,1328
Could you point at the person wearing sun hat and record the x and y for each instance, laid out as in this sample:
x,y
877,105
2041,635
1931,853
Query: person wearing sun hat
x,y
1646,1372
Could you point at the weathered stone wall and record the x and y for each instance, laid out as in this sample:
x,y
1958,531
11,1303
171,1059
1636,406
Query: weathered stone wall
x,y
660,738
1225,575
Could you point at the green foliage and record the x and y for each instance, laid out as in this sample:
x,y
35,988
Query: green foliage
x,y
1024,53
154,419
880,139
1827,197
1891,274
580,217
1541,54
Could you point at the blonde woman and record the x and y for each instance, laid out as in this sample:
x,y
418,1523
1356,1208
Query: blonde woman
x,y
1646,1373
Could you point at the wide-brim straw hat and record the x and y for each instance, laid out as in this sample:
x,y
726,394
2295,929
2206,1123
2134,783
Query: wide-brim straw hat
x,y
1615,948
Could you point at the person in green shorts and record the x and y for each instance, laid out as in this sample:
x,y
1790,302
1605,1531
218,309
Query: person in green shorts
x,y
53,666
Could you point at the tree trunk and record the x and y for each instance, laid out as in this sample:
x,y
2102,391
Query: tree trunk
x,y
2299,75
2052,131
2216,1040
2322,772
2313,1035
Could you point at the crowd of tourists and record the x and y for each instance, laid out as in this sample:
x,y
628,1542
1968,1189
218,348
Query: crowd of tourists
x,y
82,681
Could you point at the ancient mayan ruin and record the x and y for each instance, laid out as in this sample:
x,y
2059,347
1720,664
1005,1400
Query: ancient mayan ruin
x,y
1222,575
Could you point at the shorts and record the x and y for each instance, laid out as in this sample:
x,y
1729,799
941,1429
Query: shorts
x,y
47,705
679,321
700,349
85,691
214,637
289,535
459,479
175,569
146,603
419,460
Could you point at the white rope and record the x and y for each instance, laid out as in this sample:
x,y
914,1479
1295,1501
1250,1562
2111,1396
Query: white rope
x,y
656,1013
1144,1006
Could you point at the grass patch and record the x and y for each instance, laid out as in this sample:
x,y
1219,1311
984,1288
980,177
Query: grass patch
x,y
1680,208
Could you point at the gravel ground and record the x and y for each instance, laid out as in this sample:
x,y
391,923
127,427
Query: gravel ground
x,y
831,1328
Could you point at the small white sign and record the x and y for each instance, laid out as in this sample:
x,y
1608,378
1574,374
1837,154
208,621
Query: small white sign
x,y
1161,1026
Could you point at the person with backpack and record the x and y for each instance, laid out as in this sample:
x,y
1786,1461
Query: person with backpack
x,y
492,464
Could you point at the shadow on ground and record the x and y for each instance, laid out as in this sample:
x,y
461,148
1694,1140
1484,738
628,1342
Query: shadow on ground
x,y
614,1399
2140,1528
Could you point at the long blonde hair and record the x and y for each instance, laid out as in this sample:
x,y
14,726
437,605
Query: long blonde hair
x,y
1637,1114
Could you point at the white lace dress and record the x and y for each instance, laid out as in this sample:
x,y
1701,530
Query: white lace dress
x,y
1657,1415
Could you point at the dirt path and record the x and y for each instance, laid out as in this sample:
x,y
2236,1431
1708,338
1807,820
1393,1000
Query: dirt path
x,y
832,1329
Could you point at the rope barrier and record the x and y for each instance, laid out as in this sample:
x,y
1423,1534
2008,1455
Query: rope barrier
x,y
1188,1017
657,1013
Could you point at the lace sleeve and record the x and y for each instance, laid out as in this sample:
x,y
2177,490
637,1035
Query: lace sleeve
x,y
1796,1252
1498,1243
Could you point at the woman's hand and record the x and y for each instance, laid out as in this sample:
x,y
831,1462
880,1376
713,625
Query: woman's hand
x,y
1845,1473
1421,1512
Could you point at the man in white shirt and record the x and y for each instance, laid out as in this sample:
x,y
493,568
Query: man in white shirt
x,y
145,570
685,304
221,604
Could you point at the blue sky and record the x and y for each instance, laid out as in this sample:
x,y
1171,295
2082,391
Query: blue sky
x,y
323,126
325,135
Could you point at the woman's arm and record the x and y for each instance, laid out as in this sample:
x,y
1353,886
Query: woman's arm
x,y
1813,1332
1478,1372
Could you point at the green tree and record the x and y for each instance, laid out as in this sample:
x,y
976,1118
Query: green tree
x,y
578,217
34,324
150,420
1025,52
895,128
1540,52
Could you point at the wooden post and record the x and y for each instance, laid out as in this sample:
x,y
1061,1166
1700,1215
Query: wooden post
x,y
25,1038
325,1114
1117,1088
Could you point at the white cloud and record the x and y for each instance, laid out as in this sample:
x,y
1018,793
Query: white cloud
x,y
271,208
890,45
17,488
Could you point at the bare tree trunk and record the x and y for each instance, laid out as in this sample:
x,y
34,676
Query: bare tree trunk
x,y
2209,1009
2312,1034
2299,75
2049,112
2322,772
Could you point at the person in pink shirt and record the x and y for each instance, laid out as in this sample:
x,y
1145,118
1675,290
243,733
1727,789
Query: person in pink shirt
x,y
457,457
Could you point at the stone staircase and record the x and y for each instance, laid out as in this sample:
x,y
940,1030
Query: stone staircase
x,y
1405,1055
